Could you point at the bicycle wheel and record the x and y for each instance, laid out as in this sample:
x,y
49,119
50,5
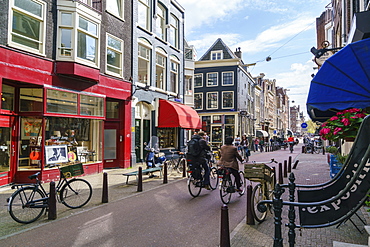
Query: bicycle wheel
x,y
257,196
76,193
243,183
308,149
170,166
225,189
194,186
213,178
22,206
181,165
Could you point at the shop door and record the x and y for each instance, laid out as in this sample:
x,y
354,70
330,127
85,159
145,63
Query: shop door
x,y
112,140
142,137
7,146
216,135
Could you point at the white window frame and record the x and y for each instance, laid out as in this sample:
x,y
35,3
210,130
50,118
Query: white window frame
x,y
195,77
216,55
232,78
174,31
144,43
201,101
207,102
120,9
42,21
232,100
175,61
145,4
78,11
160,22
161,53
115,50
208,83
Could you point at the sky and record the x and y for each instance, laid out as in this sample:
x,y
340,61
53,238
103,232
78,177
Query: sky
x,y
283,30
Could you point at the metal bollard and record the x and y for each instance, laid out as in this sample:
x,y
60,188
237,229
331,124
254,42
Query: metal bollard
x,y
290,164
250,218
140,180
285,169
104,198
323,150
303,149
295,164
165,179
225,234
281,173
52,213
184,169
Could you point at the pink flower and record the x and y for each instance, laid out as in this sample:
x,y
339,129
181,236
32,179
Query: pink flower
x,y
324,124
345,121
333,118
325,131
360,115
336,130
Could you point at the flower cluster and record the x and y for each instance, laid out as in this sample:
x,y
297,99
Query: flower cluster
x,y
343,124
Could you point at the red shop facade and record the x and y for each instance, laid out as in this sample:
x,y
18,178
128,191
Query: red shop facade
x,y
48,106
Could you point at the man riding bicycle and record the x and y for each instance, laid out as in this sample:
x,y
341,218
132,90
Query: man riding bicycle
x,y
229,159
199,155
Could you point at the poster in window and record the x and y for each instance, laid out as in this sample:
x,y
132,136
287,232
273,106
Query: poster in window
x,y
30,127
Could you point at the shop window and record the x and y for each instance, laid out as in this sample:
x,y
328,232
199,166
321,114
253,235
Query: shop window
x,y
160,71
29,155
167,137
5,139
144,14
198,80
27,25
114,55
7,97
229,119
206,123
112,110
217,119
198,101
82,137
161,22
174,32
31,100
61,102
91,106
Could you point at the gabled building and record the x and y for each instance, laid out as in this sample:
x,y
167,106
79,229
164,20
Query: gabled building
x,y
64,80
224,93
158,77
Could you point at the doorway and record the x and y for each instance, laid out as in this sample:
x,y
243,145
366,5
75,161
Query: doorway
x,y
112,140
7,150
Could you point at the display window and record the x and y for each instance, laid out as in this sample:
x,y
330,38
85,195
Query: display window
x,y
167,137
5,135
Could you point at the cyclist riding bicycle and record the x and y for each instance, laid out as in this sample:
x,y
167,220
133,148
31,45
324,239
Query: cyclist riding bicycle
x,y
199,155
229,159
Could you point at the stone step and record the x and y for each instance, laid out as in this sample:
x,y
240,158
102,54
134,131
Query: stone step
x,y
342,244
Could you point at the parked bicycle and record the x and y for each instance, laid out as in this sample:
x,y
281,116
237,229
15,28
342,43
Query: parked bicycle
x,y
262,174
177,164
30,201
227,184
196,177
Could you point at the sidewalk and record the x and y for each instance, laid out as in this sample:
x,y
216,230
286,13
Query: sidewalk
x,y
311,169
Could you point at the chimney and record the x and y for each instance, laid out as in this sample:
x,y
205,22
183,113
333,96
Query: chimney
x,y
238,53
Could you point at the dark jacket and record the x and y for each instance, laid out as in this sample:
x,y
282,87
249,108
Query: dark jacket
x,y
205,148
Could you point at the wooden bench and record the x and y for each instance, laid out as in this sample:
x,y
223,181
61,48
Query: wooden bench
x,y
144,171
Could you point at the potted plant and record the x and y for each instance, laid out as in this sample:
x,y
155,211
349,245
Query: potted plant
x,y
344,124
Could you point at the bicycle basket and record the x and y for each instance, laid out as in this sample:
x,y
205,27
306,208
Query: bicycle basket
x,y
72,170
258,171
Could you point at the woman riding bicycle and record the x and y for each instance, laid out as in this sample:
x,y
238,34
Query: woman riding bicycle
x,y
229,159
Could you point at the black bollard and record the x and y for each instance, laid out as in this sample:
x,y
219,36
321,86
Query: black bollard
x,y
295,164
281,173
303,149
184,169
323,150
225,234
104,198
277,203
250,218
290,164
140,180
285,169
165,179
291,211
52,212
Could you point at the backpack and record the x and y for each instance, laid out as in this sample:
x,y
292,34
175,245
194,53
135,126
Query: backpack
x,y
194,148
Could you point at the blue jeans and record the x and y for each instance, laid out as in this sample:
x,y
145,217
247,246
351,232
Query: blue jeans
x,y
206,173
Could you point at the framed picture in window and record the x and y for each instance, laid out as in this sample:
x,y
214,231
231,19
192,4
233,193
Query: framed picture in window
x,y
56,154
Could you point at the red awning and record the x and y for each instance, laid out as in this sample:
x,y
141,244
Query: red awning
x,y
172,114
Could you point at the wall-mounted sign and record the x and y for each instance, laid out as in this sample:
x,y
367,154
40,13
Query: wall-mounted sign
x,y
319,61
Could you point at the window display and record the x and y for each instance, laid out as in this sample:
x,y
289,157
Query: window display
x,y
167,137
